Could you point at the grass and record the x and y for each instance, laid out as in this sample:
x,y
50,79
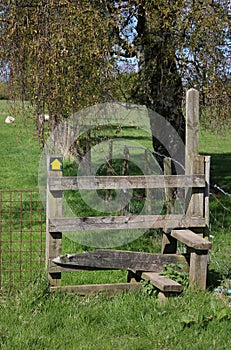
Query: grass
x,y
219,148
20,151
197,320
34,319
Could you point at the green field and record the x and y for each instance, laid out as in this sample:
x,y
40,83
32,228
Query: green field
x,y
34,319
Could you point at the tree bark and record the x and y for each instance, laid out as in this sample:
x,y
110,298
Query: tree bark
x,y
160,85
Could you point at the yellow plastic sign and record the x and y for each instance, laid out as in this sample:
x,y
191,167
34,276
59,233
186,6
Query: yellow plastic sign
x,y
56,164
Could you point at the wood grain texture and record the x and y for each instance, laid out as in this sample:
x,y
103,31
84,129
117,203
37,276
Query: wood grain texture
x,y
120,260
53,241
94,289
198,270
162,283
191,239
123,222
124,182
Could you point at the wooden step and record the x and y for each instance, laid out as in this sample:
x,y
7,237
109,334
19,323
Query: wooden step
x,y
162,283
118,260
94,289
191,239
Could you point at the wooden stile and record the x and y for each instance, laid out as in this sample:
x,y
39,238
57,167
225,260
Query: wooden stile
x,y
186,228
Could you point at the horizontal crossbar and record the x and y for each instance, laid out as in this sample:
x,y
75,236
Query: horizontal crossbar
x,y
123,222
108,289
124,182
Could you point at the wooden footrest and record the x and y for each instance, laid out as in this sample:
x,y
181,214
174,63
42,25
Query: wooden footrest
x,y
109,289
191,239
162,283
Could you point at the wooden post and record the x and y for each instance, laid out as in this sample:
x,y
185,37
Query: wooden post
x,y
149,191
194,164
86,160
169,244
192,128
125,172
207,189
198,268
53,210
109,167
125,165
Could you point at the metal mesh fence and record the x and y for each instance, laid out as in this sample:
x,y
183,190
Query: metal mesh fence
x,y
22,238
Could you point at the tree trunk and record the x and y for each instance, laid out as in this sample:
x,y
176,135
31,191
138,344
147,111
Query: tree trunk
x,y
160,86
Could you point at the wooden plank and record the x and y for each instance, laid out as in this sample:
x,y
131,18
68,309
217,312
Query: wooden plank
x,y
53,240
198,269
169,244
150,192
123,222
124,182
191,239
192,128
194,164
207,189
120,260
196,203
162,283
92,289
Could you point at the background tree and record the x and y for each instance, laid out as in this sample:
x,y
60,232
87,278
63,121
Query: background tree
x,y
63,55
178,45
57,55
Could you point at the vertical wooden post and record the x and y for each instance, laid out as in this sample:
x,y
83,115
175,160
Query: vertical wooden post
x,y
207,189
192,128
109,167
86,160
195,164
169,244
53,210
198,268
125,172
125,165
149,191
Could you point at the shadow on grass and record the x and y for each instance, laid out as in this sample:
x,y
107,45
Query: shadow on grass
x,y
221,170
214,279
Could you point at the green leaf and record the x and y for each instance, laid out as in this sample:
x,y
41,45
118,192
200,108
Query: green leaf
x,y
223,314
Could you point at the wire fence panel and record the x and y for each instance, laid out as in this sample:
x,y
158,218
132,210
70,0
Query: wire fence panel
x,y
22,238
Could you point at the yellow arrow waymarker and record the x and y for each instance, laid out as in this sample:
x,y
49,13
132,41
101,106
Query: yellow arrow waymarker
x,y
56,164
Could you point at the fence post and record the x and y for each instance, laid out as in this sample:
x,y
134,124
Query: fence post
x,y
149,191
125,165
125,172
207,190
169,244
195,164
109,167
53,210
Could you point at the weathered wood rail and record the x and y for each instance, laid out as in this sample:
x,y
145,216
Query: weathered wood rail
x,y
188,228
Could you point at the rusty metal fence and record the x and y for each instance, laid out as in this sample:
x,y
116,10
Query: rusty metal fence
x,y
22,238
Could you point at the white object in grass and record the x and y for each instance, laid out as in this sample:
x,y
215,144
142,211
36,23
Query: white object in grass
x,y
9,119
